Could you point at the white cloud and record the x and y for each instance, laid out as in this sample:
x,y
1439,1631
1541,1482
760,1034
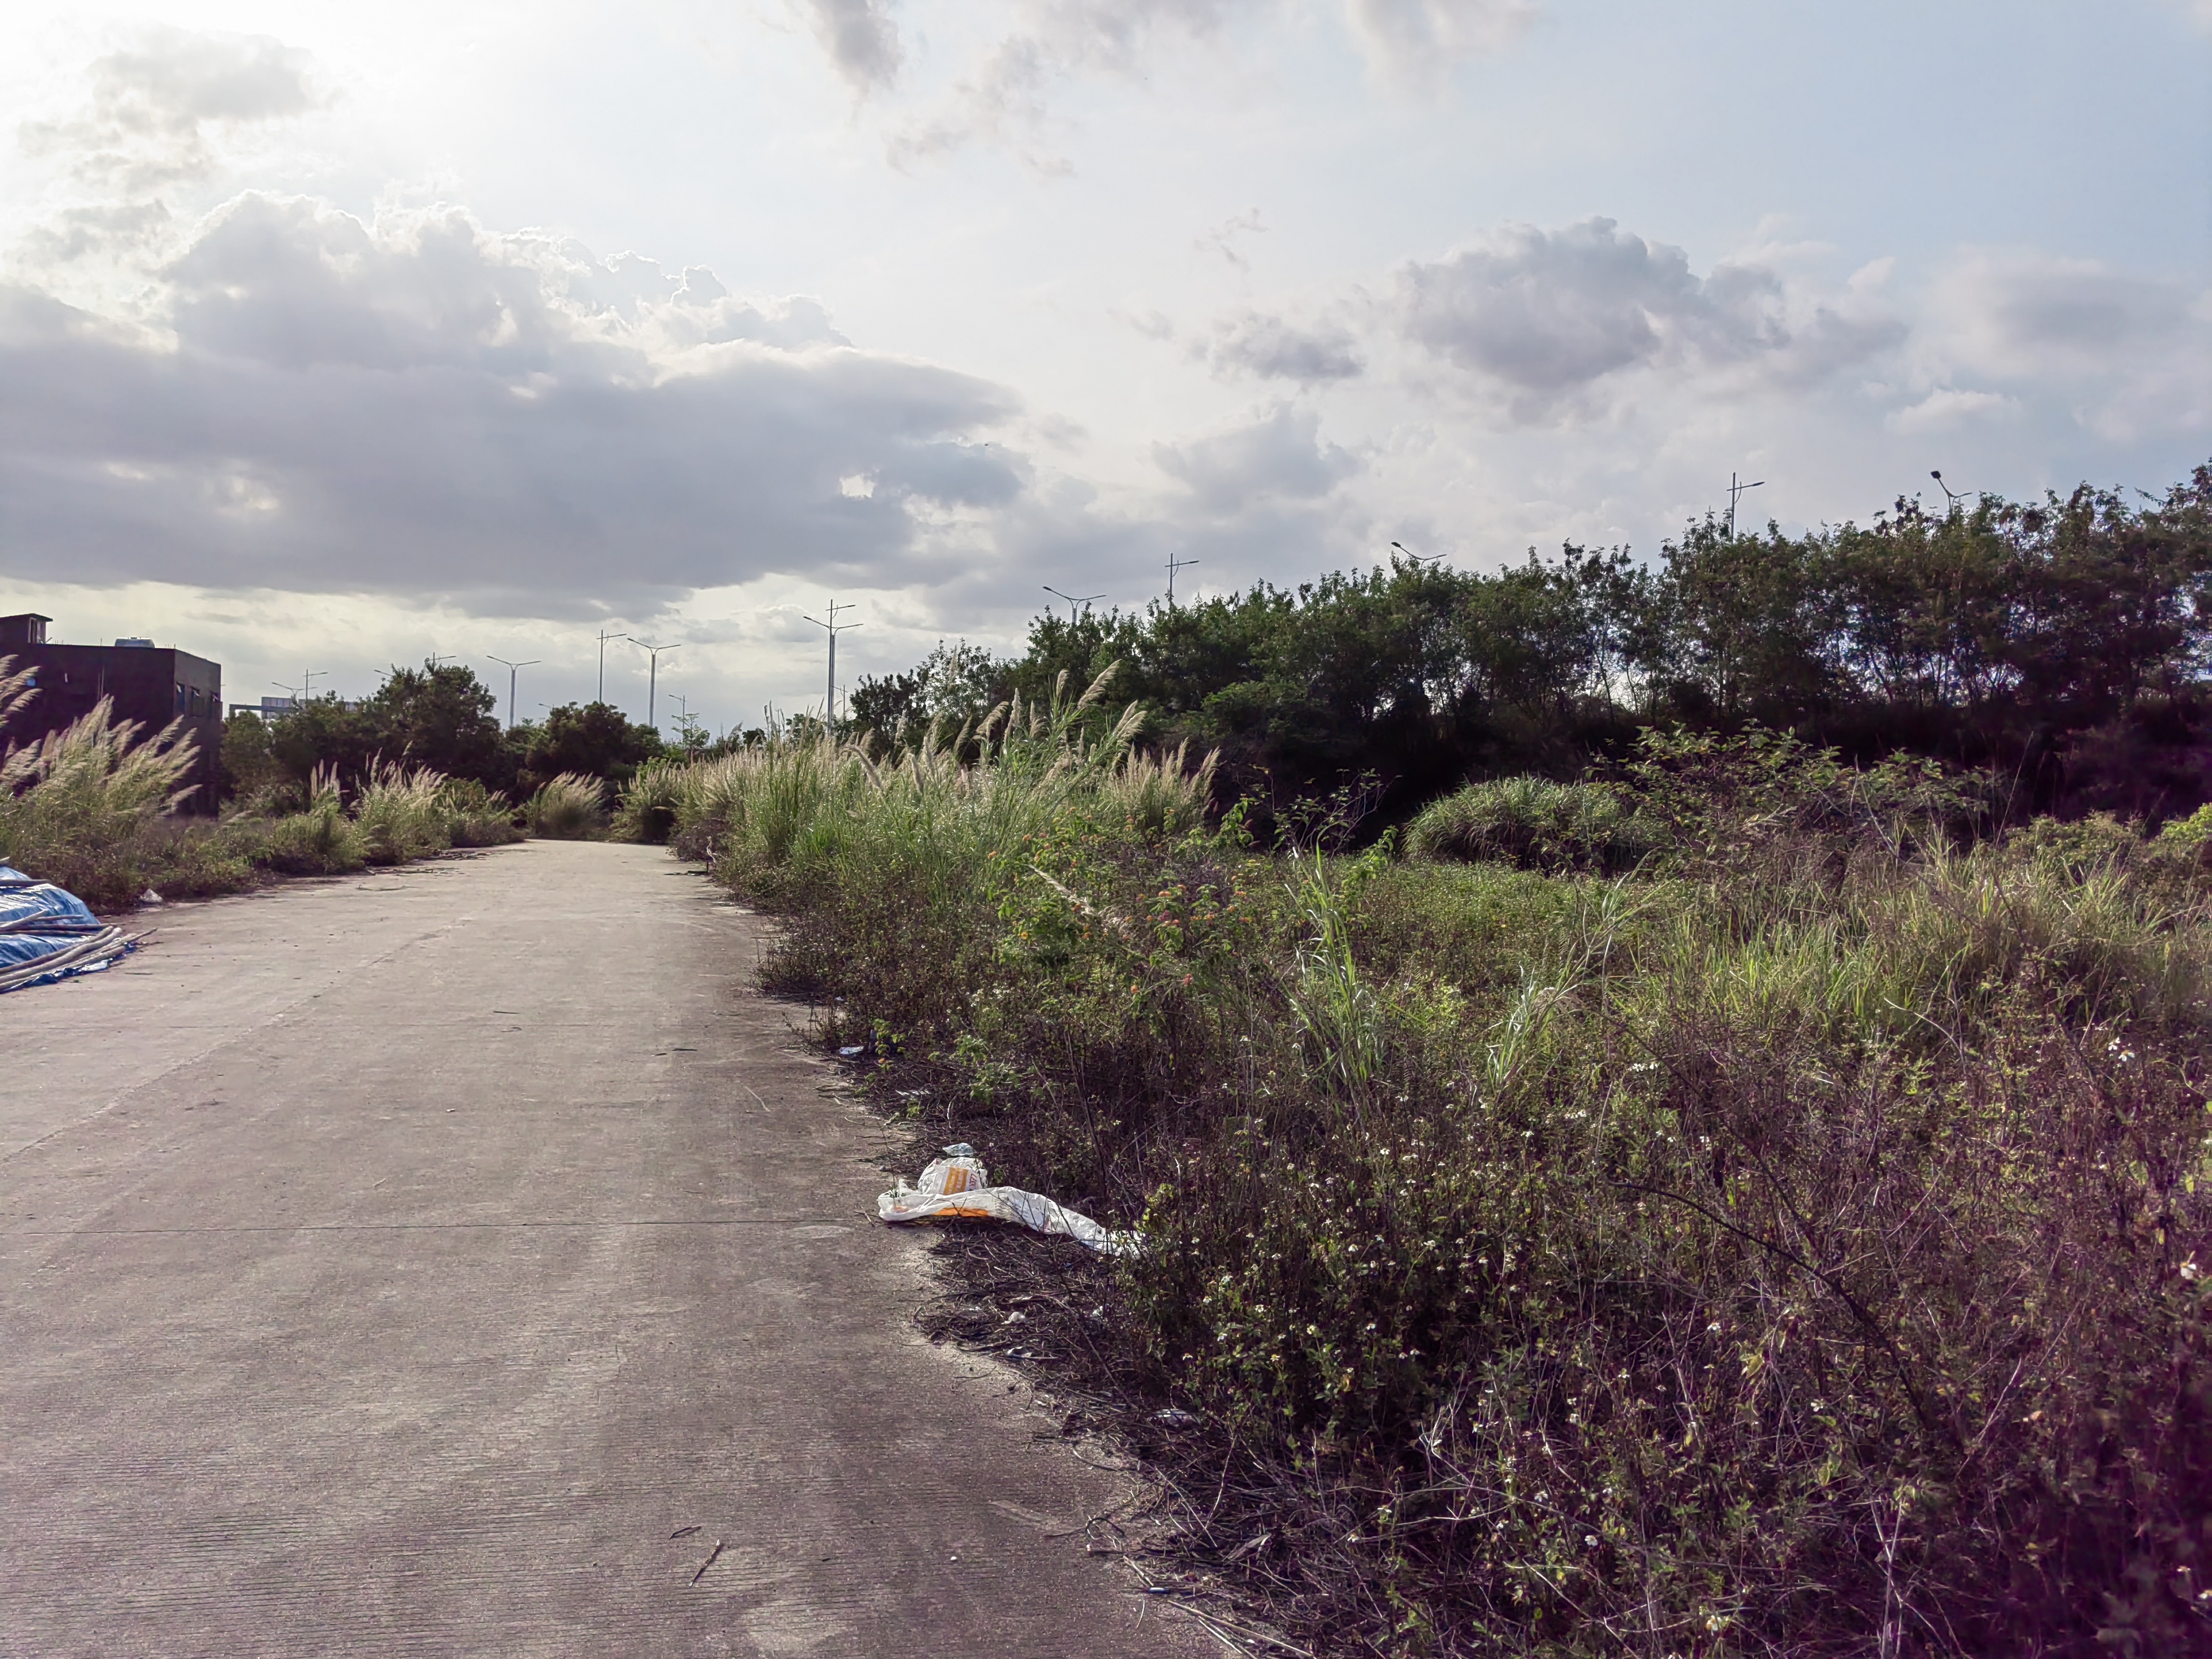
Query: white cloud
x,y
1270,347
2127,351
1543,317
1947,407
1418,43
1006,96
153,104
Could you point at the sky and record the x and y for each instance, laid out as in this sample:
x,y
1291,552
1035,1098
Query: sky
x,y
334,336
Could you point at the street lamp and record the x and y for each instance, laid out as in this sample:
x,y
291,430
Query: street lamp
x,y
1736,490
1954,496
1072,600
834,628
652,676
605,635
513,669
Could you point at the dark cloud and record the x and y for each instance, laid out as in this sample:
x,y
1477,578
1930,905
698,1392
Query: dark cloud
x,y
419,406
1272,348
1547,314
861,38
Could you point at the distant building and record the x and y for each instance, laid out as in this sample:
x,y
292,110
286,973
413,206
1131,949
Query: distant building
x,y
150,684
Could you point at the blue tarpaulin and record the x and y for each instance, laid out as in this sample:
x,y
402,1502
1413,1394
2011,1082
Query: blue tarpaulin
x,y
47,933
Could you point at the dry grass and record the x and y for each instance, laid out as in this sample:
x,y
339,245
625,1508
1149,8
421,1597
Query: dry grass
x,y
1796,1247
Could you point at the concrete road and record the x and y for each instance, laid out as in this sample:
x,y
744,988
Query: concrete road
x,y
450,1260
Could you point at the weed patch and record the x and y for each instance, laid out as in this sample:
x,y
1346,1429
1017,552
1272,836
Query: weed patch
x,y
1790,1240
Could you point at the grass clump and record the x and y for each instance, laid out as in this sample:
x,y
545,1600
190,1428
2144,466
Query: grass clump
x,y
647,809
1538,824
1792,1242
79,805
569,807
477,814
400,815
94,807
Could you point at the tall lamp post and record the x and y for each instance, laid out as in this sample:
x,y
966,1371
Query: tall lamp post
x,y
1735,493
513,669
653,675
605,635
833,628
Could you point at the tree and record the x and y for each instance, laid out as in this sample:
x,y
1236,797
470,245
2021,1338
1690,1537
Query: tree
x,y
440,715
595,738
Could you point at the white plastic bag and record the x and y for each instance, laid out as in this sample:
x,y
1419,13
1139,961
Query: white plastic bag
x,y
958,1185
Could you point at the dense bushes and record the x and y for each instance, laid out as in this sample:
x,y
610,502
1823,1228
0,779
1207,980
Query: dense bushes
x,y
2062,643
439,717
1790,1239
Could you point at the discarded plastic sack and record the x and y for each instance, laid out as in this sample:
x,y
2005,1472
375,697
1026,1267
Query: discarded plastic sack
x,y
48,933
958,1185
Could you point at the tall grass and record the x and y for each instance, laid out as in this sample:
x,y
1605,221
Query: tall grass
x,y
569,807
1794,1244
401,814
93,807
74,801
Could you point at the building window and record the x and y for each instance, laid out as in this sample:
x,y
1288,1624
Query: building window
x,y
181,696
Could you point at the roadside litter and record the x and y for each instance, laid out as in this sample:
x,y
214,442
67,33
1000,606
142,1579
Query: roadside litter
x,y
958,1185
47,933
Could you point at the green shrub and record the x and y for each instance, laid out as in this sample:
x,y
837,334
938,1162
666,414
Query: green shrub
x,y
477,814
569,807
1537,824
320,841
647,807
400,815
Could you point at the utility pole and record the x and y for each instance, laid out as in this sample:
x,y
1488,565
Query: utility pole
x,y
605,635
653,675
299,693
513,670
833,628
1735,491
1072,600
1174,565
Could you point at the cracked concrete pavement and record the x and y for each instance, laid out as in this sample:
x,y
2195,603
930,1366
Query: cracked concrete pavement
x,y
447,1260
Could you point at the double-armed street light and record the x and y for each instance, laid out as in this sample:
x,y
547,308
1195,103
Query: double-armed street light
x,y
833,628
1073,601
652,676
513,669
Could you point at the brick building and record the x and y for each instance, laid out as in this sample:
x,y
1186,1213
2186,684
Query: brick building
x,y
151,684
